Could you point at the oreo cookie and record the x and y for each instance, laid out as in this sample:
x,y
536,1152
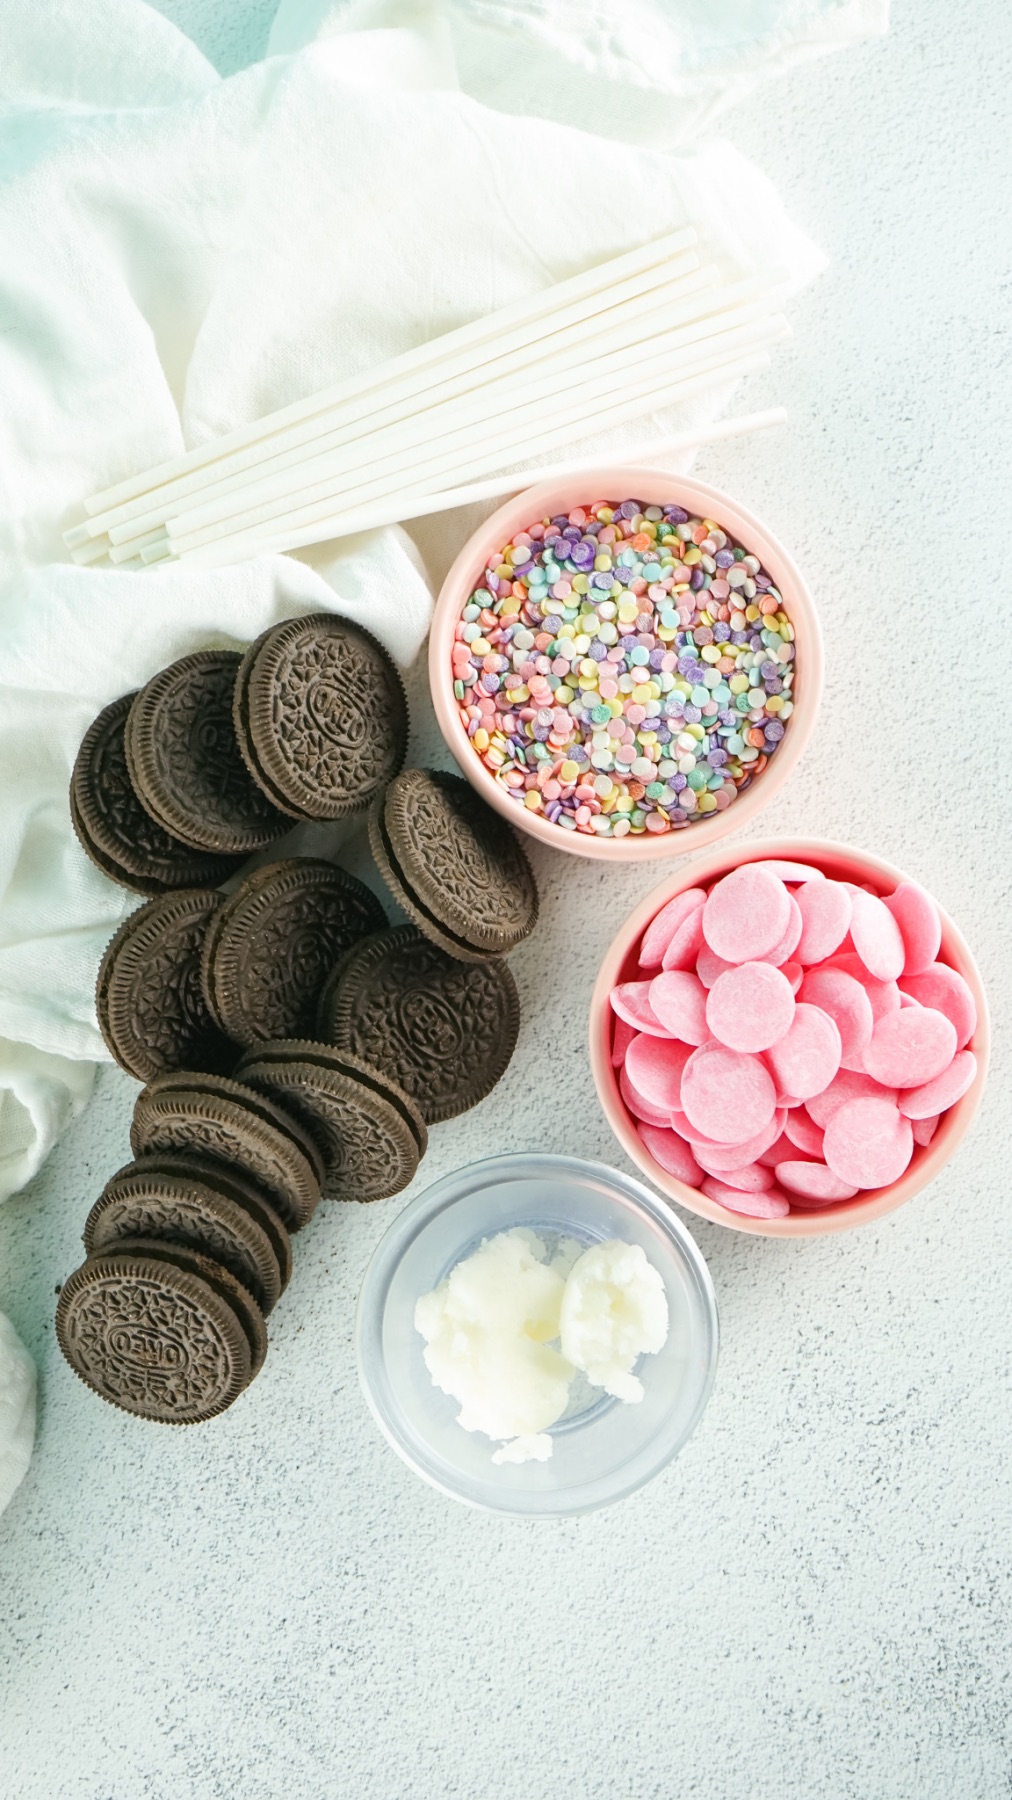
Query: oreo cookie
x,y
445,1030
320,716
113,827
160,1331
225,1125
454,865
369,1131
274,942
151,1009
185,764
180,1200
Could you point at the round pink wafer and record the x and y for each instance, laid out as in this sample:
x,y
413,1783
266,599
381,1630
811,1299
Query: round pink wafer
x,y
635,1103
781,1150
678,998
786,870
727,1095
655,1067
685,942
920,926
868,1143
709,966
884,995
788,944
908,999
770,1203
631,1001
910,1047
794,973
945,990
850,1084
825,908
924,1129
672,1153
621,1037
719,1159
806,1059
753,1179
814,1180
803,1132
847,1004
661,930
746,914
749,1008
943,1091
877,937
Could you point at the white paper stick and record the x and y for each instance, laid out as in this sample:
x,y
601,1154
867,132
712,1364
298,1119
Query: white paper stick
x,y
689,298
390,395
408,504
90,552
429,431
589,281
454,456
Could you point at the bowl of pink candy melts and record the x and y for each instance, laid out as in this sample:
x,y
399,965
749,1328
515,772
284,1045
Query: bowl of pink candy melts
x,y
790,1037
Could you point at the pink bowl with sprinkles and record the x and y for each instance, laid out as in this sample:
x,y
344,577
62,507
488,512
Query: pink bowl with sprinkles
x,y
932,1147
626,666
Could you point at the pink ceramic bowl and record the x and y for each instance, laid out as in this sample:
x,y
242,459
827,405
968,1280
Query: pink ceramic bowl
x,y
620,964
655,487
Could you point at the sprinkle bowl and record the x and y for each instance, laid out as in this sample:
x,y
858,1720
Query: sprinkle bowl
x,y
653,487
840,862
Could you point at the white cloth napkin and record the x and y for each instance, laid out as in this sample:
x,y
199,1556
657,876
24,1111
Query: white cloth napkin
x,y
182,253
17,1411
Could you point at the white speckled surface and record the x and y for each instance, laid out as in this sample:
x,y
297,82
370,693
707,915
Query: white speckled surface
x,y
814,1601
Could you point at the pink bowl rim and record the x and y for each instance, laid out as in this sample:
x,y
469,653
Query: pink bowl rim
x,y
548,497
927,1163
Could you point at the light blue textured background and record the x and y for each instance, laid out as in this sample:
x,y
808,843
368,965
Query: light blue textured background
x,y
815,1600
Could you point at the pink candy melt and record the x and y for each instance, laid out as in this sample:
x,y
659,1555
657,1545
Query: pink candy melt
x,y
679,1000
673,1154
770,1204
654,1067
631,1001
945,990
750,1007
825,908
661,930
726,1095
935,1096
920,926
868,1143
746,914
910,1047
807,1057
799,1040
876,936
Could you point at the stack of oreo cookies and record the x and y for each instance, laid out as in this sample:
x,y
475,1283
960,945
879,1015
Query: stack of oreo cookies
x,y
293,1044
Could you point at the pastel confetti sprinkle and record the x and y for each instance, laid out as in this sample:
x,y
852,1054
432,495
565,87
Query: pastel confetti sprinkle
x,y
624,669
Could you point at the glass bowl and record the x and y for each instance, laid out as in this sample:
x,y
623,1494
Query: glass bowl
x,y
600,1453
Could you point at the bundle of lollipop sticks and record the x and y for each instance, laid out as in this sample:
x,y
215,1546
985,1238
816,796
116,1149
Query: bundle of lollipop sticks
x,y
429,429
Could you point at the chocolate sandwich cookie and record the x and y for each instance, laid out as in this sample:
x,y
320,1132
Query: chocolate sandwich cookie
x,y
224,1124
368,1129
160,1331
320,716
454,865
444,1029
151,1009
116,831
213,1211
185,764
275,941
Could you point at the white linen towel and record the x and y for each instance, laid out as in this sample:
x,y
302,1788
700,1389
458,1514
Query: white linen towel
x,y
182,253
